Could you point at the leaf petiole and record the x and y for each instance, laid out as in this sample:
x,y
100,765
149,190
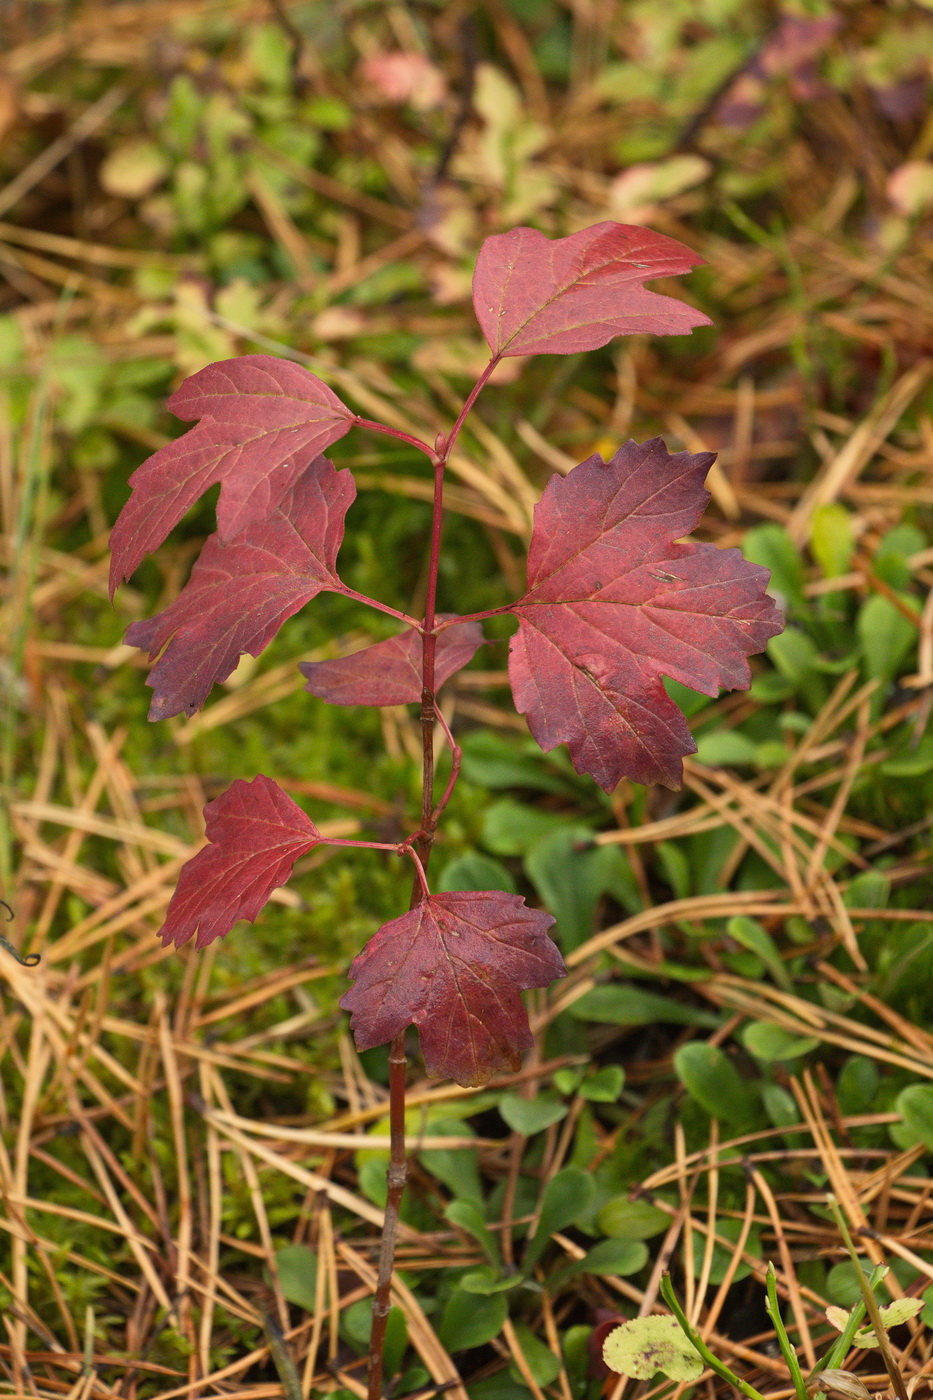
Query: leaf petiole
x,y
456,757
472,617
396,433
380,607
422,876
470,401
403,848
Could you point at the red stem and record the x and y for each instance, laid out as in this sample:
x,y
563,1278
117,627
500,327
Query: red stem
x,y
472,617
429,651
396,433
398,1164
364,845
374,603
422,877
456,756
471,400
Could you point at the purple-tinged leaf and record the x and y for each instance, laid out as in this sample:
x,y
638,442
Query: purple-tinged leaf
x,y
262,421
239,594
534,295
614,603
256,833
455,966
389,673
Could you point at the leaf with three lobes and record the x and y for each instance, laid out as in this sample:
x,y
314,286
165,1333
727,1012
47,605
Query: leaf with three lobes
x,y
613,603
534,295
256,833
455,966
262,420
239,594
389,673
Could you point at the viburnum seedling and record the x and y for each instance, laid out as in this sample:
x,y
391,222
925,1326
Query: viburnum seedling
x,y
614,602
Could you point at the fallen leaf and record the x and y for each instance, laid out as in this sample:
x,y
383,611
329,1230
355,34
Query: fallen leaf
x,y
402,77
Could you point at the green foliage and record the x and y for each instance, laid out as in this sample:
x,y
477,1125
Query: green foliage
x,y
632,1220
471,1321
915,1105
296,1266
529,1116
711,1078
541,1361
564,1200
620,1005
646,1345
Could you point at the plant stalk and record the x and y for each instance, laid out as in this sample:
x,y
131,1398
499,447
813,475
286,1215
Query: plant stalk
x,y
843,1344
470,401
396,1176
430,715
693,1336
773,1309
398,1162
429,651
871,1303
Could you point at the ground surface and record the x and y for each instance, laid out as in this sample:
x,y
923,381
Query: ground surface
x,y
746,1021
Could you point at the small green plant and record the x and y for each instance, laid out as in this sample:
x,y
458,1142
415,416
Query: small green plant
x,y
672,1345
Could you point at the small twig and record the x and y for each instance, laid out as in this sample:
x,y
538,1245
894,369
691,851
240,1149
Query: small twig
x,y
281,1357
90,120
31,959
469,51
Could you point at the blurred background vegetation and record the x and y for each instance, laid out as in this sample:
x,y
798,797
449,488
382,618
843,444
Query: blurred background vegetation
x,y
746,1020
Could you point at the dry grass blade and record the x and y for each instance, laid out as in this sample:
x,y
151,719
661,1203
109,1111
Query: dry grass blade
x,y
838,474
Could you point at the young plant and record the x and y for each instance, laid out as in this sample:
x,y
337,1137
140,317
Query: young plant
x,y
613,603
645,1346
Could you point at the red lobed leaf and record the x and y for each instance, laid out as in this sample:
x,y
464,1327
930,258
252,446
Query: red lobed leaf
x,y
256,833
455,966
389,673
239,594
613,603
534,295
262,420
